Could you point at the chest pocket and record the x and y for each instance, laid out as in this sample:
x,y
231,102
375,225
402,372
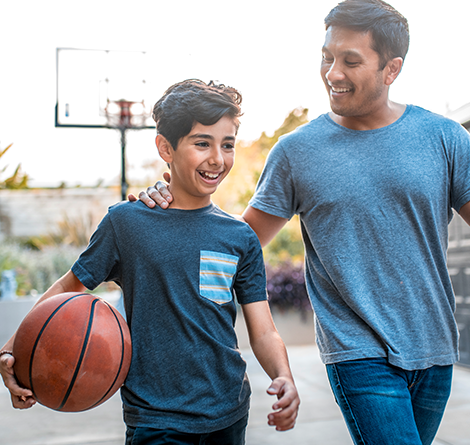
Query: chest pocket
x,y
216,271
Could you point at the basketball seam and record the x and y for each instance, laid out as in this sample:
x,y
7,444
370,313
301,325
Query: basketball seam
x,y
82,354
39,337
122,358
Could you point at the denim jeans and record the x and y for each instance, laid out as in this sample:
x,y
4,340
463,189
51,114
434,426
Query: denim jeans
x,y
233,435
386,405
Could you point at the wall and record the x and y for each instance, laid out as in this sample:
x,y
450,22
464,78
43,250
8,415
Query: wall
x,y
36,212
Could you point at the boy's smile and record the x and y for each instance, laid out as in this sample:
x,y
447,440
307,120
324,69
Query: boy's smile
x,y
201,161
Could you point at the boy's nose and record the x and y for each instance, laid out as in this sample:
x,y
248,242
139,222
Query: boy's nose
x,y
216,157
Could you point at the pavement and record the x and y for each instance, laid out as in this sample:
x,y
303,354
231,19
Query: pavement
x,y
319,421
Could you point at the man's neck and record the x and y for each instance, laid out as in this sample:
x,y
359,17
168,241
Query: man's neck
x,y
384,117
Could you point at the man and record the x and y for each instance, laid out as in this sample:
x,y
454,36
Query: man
x,y
374,183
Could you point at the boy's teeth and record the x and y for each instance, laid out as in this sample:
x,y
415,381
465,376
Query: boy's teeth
x,y
210,175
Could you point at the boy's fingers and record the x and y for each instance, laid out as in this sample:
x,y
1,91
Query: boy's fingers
x,y
22,402
283,423
132,198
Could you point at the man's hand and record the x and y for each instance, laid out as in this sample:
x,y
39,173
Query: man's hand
x,y
21,398
287,405
157,194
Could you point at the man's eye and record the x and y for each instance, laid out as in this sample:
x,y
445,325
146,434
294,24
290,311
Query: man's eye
x,y
351,63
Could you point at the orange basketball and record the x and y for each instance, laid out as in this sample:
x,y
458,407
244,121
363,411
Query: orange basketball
x,y
72,351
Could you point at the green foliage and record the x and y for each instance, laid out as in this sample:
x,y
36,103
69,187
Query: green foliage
x,y
287,245
235,192
18,180
237,189
36,270
69,232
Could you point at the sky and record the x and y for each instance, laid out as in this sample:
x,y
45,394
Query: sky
x,y
270,50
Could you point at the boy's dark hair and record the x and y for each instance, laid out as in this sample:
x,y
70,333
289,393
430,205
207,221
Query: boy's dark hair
x,y
191,101
389,29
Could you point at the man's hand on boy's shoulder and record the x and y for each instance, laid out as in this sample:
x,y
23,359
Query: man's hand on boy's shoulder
x,y
157,194
287,406
21,398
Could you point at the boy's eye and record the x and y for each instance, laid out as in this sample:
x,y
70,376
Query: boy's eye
x,y
229,146
202,144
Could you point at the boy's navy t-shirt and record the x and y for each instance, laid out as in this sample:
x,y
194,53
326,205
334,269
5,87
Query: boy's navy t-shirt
x,y
178,270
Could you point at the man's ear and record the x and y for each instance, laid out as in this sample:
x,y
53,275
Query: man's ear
x,y
164,148
392,70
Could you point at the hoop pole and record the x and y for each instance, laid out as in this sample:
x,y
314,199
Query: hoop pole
x,y
124,185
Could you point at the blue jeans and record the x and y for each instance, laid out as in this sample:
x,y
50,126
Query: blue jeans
x,y
386,405
233,435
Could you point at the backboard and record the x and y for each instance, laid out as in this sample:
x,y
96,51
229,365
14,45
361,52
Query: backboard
x,y
95,86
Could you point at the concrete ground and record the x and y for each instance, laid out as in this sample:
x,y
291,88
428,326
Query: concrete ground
x,y
319,421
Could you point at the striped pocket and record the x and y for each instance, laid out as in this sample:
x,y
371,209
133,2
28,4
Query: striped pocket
x,y
216,275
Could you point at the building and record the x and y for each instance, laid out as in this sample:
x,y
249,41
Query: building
x,y
458,260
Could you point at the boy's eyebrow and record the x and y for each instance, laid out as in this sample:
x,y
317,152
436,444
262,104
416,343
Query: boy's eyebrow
x,y
209,136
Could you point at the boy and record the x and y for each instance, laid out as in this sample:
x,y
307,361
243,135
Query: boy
x,y
187,381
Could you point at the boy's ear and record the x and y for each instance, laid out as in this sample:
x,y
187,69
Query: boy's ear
x,y
164,148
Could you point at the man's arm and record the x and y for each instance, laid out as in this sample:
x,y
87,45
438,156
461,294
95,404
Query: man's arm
x,y
464,212
271,353
22,398
266,226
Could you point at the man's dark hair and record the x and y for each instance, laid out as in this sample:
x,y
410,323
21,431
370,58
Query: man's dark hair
x,y
388,28
191,101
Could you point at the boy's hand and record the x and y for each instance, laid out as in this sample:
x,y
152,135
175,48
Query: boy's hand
x,y
157,194
287,405
21,398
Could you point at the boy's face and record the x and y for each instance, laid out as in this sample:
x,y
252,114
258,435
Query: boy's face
x,y
202,160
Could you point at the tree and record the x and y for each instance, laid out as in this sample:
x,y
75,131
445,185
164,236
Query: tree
x,y
239,186
18,180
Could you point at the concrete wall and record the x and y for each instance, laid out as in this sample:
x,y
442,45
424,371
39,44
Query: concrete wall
x,y
36,212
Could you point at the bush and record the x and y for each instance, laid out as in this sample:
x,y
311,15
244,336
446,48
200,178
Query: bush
x,y
286,288
36,270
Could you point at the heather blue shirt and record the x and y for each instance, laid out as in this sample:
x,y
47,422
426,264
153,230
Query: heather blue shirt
x,y
178,270
374,208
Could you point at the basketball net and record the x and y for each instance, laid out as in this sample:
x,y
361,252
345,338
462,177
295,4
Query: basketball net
x,y
124,114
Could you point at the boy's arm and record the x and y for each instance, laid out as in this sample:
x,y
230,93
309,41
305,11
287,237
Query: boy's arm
x,y
22,398
271,353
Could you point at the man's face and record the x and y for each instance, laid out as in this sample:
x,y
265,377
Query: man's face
x,y
350,72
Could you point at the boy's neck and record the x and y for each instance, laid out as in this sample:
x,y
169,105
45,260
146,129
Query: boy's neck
x,y
185,201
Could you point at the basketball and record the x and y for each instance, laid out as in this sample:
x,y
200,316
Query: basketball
x,y
72,351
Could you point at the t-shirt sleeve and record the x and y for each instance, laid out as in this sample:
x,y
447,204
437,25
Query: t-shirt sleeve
x,y
275,193
250,280
460,190
100,261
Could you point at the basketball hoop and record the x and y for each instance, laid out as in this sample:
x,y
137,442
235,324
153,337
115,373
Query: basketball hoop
x,y
125,114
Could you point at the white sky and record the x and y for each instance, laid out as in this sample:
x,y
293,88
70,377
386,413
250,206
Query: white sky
x,y
268,49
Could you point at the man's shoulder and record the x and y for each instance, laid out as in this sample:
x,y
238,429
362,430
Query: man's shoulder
x,y
419,113
233,224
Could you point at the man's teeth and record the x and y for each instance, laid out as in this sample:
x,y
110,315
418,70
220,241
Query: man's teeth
x,y
340,90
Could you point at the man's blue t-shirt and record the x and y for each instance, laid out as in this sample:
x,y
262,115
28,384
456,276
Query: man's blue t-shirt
x,y
374,208
178,270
